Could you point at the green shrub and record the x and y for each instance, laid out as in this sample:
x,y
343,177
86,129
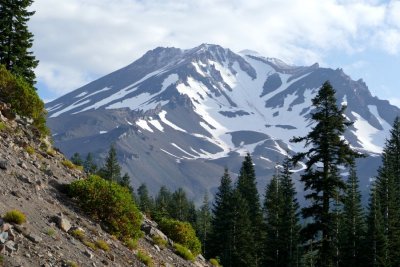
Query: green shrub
x,y
131,243
146,259
23,98
110,203
72,264
51,152
2,126
101,244
159,241
15,216
89,244
30,150
183,252
78,234
215,262
182,233
68,164
50,232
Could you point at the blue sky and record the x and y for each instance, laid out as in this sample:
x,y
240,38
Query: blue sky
x,y
78,41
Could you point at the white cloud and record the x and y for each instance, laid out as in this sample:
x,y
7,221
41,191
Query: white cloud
x,y
77,40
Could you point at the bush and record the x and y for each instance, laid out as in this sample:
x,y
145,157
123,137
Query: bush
x,y
143,257
50,232
2,126
68,164
215,262
23,98
182,233
159,241
30,150
110,203
72,264
101,244
183,252
15,216
78,234
89,244
131,243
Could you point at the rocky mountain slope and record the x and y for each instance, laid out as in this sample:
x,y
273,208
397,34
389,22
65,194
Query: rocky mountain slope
x,y
178,117
32,176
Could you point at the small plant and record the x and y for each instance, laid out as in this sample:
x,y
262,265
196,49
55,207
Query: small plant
x,y
68,164
50,232
15,216
131,243
72,264
146,259
183,252
51,152
30,150
89,244
159,241
101,244
215,262
2,126
1,260
78,234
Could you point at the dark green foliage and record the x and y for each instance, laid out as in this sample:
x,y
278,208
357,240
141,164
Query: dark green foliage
x,y
126,182
16,40
352,231
376,246
321,179
111,170
23,99
88,165
219,245
388,194
109,203
180,208
162,201
145,202
247,186
76,159
203,223
182,233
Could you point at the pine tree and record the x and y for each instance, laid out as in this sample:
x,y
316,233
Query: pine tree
x,y
290,223
179,206
242,242
352,231
388,192
247,186
126,182
219,244
88,165
203,223
273,205
76,159
321,179
111,170
145,202
16,40
376,246
162,204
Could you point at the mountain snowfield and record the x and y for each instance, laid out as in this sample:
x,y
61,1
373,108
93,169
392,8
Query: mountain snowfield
x,y
179,116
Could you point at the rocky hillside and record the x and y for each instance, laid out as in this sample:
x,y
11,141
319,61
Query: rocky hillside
x,y
32,176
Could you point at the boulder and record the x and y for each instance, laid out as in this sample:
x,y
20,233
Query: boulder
x,y
62,223
3,164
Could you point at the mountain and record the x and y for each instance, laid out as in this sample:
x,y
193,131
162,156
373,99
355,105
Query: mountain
x,y
33,181
178,117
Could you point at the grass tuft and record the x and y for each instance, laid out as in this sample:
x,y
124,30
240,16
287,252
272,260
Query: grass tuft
x,y
131,243
145,258
183,252
15,216
101,244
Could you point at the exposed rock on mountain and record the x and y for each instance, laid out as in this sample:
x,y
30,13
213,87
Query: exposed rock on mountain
x,y
179,116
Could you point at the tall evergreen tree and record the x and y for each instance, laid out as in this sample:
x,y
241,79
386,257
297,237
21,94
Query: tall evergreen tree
x,y
180,206
321,178
352,231
111,170
376,246
247,186
388,192
219,244
88,165
145,202
162,203
16,40
203,223
126,182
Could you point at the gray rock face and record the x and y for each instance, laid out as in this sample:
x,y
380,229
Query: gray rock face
x,y
178,117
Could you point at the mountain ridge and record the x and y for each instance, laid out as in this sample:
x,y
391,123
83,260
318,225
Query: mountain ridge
x,y
208,106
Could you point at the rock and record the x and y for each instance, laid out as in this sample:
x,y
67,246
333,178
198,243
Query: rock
x,y
10,246
88,253
22,164
11,235
63,223
24,178
1,222
157,248
3,164
5,227
34,238
3,237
